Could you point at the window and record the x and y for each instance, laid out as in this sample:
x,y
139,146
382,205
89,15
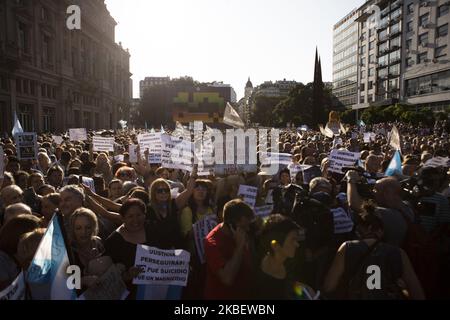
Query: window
x,y
437,82
76,118
370,98
44,14
26,116
371,72
408,44
32,87
409,26
440,52
371,45
443,10
370,85
362,62
411,8
423,19
23,37
362,99
395,42
408,62
371,32
363,36
18,85
48,119
421,57
363,50
26,84
43,90
394,70
423,39
372,58
442,31
362,87
87,120
363,74
97,120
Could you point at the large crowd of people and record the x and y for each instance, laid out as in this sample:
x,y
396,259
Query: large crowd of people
x,y
325,232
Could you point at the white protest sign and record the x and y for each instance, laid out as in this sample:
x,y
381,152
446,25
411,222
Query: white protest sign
x,y
78,134
367,137
15,291
89,182
200,230
152,142
132,151
263,211
249,194
2,163
26,144
438,162
342,158
162,267
342,222
276,158
103,144
176,153
109,287
119,158
174,193
58,139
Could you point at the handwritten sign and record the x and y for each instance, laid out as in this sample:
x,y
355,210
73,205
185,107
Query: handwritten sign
x,y
103,144
162,267
26,146
176,153
58,139
342,222
342,158
264,211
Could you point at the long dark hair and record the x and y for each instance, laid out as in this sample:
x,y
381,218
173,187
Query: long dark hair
x,y
192,204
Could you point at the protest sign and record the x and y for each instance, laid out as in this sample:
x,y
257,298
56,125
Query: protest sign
x,y
77,134
109,287
26,144
263,211
342,222
162,267
152,142
103,144
58,139
200,230
438,162
15,291
176,153
2,163
89,182
132,151
248,193
119,158
342,158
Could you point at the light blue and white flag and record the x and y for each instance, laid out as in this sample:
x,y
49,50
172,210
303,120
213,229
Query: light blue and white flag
x,y
395,166
49,265
17,126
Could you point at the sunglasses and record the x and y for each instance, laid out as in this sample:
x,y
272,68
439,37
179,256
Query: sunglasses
x,y
162,190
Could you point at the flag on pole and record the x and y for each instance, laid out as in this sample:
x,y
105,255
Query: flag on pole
x,y
326,132
17,126
395,166
343,129
162,129
231,117
49,265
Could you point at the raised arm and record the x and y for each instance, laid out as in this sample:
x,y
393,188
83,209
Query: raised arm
x,y
99,210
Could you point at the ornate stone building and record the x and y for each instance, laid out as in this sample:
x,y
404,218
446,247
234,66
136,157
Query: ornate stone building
x,y
55,78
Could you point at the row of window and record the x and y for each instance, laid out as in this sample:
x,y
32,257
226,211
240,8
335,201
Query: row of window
x,y
441,10
435,83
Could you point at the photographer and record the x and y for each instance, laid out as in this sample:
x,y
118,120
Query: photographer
x,y
391,208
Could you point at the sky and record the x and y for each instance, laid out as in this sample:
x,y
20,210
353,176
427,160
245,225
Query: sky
x,y
228,40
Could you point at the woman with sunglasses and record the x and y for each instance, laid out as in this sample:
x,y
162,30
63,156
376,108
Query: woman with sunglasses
x,y
163,212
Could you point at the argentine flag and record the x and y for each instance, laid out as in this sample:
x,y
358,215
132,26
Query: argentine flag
x,y
361,123
395,167
48,269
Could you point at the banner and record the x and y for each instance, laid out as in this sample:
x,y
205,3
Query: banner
x,y
200,230
342,158
263,211
78,134
103,144
248,194
232,118
26,144
162,267
58,139
110,287
176,153
15,291
342,222
49,266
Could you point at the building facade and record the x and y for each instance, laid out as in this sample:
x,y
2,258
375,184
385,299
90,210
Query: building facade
x,y
54,78
403,54
149,82
345,59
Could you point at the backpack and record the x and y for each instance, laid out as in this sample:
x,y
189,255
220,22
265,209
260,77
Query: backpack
x,y
387,258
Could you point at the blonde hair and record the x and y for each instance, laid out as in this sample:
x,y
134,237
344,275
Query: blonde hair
x,y
82,212
152,193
